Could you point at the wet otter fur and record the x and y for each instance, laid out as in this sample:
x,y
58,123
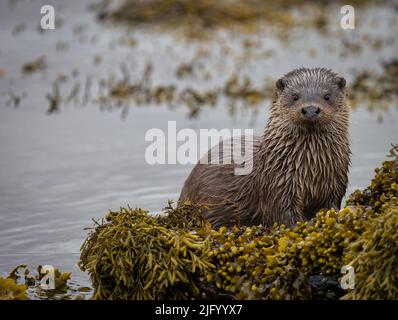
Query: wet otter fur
x,y
300,164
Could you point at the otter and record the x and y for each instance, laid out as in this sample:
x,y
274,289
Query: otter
x,y
300,164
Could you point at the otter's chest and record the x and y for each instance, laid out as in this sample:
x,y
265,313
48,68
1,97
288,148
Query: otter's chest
x,y
316,178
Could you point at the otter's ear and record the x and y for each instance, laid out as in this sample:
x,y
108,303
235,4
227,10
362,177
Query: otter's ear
x,y
280,84
340,81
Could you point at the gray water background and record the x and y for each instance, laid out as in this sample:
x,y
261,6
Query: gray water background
x,y
59,171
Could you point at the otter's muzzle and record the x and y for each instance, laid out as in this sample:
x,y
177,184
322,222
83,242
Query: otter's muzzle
x,y
310,112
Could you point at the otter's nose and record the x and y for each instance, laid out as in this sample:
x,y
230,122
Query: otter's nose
x,y
310,112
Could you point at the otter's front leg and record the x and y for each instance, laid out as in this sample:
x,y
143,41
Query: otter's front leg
x,y
335,203
290,218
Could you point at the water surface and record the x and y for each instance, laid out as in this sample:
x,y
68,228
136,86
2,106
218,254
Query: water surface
x,y
59,171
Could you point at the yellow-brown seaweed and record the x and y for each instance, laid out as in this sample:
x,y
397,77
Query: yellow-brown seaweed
x,y
132,255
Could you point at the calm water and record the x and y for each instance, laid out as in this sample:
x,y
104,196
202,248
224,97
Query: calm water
x,y
59,171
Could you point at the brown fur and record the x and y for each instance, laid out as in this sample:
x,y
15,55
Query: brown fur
x,y
300,165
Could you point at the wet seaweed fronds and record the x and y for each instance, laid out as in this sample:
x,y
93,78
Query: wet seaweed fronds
x,y
383,188
60,278
131,255
15,99
38,285
234,90
186,216
374,257
10,290
34,66
282,263
54,99
197,17
195,69
376,90
256,263
117,93
197,14
374,254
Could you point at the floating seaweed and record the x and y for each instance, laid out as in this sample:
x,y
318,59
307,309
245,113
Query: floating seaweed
x,y
197,17
371,90
62,46
185,69
15,99
193,69
376,90
122,93
54,99
245,91
19,28
10,290
22,284
37,65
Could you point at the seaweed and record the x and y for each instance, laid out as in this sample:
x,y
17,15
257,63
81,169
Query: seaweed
x,y
133,255
197,17
37,65
256,263
10,290
376,90
21,283
374,256
383,189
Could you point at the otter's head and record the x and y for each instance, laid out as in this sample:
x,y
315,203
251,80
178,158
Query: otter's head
x,y
311,98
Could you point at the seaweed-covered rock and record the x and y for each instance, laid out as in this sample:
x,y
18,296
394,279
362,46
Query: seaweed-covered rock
x,y
133,255
383,188
255,263
374,257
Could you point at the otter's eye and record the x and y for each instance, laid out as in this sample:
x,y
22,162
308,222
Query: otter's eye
x,y
327,97
295,97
